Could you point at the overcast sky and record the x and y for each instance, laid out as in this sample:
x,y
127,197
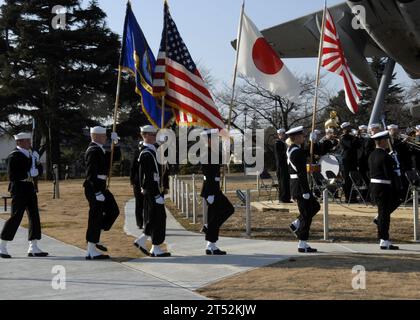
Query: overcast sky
x,y
207,28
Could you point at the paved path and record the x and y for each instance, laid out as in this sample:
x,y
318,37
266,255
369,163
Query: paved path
x,y
31,278
190,268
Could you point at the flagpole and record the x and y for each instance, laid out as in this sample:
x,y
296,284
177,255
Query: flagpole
x,y
163,100
235,73
318,77
235,70
117,100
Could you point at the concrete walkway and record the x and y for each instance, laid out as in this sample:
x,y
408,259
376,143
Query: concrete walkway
x,y
31,278
190,268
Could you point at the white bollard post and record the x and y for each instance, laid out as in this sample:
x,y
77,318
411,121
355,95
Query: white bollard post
x,y
205,217
182,197
178,193
187,201
416,214
176,190
194,200
171,188
326,223
258,184
248,213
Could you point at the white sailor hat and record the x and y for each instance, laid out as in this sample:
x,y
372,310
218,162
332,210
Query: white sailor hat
x,y
392,126
295,131
363,127
22,136
345,125
209,132
280,131
381,135
98,130
374,126
316,131
148,129
418,127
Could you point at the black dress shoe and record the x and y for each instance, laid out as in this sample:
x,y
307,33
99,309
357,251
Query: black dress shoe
x,y
101,247
100,257
162,255
41,254
5,256
307,250
143,250
216,252
391,247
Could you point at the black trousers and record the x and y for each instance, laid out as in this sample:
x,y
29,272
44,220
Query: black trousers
x,y
284,183
387,200
307,209
139,206
102,215
20,203
154,219
217,214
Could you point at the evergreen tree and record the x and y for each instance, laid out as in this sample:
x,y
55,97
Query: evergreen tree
x,y
63,78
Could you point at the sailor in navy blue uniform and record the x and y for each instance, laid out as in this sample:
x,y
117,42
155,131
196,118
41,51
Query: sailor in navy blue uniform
x,y
307,204
135,182
153,184
218,205
383,175
103,209
281,165
23,167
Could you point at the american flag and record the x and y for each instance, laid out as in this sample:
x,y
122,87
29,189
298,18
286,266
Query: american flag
x,y
176,76
187,120
333,60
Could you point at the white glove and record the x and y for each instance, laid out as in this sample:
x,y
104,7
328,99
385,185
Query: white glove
x,y
160,200
210,199
313,137
34,172
306,196
115,138
35,155
100,197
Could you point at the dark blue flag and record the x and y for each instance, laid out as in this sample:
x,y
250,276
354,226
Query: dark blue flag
x,y
138,59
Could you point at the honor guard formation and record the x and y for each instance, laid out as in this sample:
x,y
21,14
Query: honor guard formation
x,y
380,159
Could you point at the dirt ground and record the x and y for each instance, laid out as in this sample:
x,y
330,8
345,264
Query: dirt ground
x,y
66,218
325,278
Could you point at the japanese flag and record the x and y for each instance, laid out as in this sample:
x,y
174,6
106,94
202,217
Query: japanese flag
x,y
258,60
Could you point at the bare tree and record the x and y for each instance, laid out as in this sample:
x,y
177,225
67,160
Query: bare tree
x,y
252,101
